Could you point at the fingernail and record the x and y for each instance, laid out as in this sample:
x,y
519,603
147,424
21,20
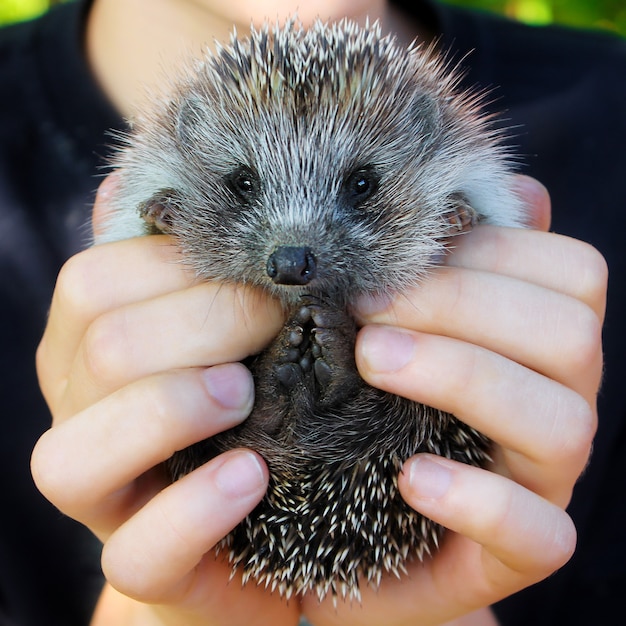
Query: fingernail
x,y
230,385
240,475
429,478
386,349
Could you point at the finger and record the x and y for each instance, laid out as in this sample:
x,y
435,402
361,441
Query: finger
x,y
537,200
504,538
544,427
548,332
555,262
153,555
98,280
522,534
100,208
201,326
119,439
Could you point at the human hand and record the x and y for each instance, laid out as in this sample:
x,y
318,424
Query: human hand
x,y
139,360
506,337
69,381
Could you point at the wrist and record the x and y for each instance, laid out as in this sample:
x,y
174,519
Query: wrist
x,y
118,609
481,617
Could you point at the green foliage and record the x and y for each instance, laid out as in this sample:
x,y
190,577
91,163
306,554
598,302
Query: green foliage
x,y
16,10
608,14
19,10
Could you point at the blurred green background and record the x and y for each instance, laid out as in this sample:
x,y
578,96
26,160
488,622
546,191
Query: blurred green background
x,y
606,14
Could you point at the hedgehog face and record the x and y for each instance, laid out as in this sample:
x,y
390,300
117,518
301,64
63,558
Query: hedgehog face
x,y
324,161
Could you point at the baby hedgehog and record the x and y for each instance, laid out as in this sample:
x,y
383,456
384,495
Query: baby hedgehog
x,y
320,165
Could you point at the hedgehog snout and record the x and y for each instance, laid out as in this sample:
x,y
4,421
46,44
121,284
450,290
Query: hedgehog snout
x,y
292,265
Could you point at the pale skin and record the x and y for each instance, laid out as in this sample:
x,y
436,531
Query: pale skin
x,y
134,45
139,359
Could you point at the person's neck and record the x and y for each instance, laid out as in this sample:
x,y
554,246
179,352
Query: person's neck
x,y
132,48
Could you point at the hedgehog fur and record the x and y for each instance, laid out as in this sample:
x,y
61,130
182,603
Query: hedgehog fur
x,y
320,165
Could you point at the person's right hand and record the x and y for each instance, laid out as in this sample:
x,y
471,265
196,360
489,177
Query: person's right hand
x,y
139,360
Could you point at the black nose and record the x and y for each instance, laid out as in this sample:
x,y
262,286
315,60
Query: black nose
x,y
291,265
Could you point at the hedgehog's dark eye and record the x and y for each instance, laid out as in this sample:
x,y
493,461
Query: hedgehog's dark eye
x,y
244,183
360,185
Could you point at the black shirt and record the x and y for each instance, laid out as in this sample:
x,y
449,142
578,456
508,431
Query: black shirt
x,y
52,121
565,93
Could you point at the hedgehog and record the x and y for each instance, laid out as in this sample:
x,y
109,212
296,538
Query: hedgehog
x,y
320,165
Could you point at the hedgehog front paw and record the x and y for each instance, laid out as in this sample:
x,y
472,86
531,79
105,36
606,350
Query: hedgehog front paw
x,y
313,358
294,359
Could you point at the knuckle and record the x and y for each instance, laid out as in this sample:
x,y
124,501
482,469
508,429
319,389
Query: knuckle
x,y
163,399
594,275
41,358
174,407
551,537
458,291
575,430
583,345
581,431
496,516
562,544
467,373
39,467
76,288
43,369
127,576
106,351
49,472
133,555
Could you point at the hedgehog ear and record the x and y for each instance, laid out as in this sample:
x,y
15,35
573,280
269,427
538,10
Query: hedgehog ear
x,y
188,116
160,211
424,118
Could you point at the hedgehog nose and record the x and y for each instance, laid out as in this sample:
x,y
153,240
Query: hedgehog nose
x,y
291,265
